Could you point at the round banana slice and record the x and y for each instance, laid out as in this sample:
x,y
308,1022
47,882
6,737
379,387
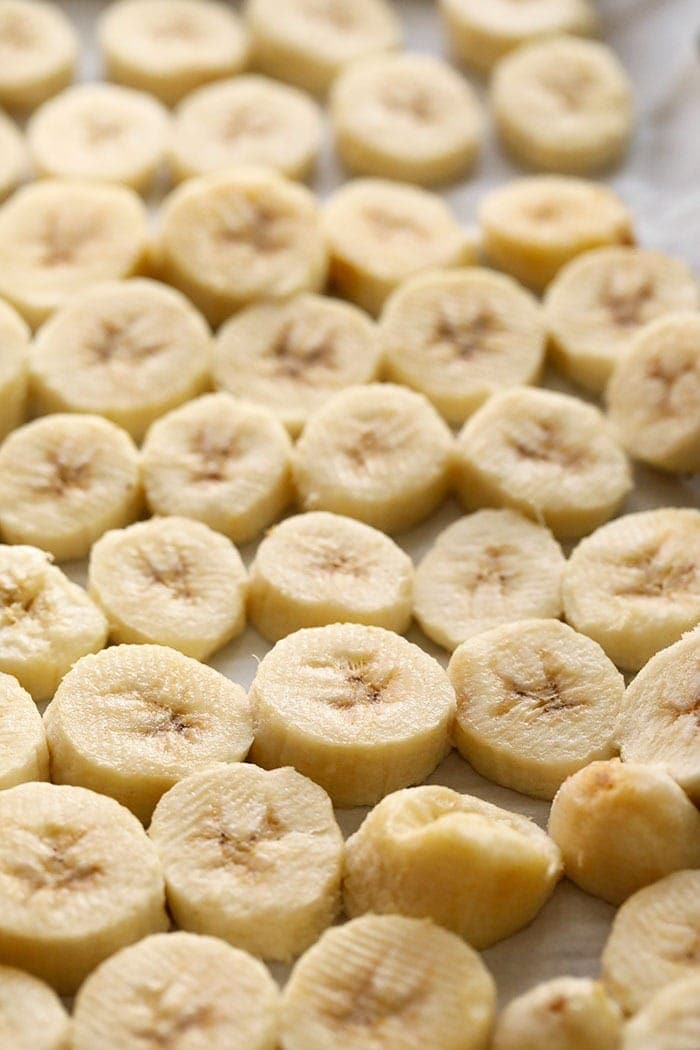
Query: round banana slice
x,y
13,155
670,1021
532,227
221,461
14,371
177,990
358,709
65,480
493,567
566,1013
79,879
380,233
390,983
379,453
32,1017
133,720
127,350
171,47
634,585
292,356
535,702
23,751
546,454
38,52
460,336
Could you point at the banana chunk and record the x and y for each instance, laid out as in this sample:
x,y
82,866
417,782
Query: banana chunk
x,y
13,154
23,752
379,453
14,368
545,454
133,720
634,585
566,1013
670,1021
390,983
358,709
460,336
292,356
251,856
32,1017
38,52
220,461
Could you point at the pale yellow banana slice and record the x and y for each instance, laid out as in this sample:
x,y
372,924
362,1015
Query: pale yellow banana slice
x,y
127,350
23,751
532,227
380,233
292,356
669,1021
546,454
38,52
171,47
390,983
379,453
634,585
566,1013
32,1017
430,852
358,709
79,879
13,154
133,720
14,372
535,702
221,461
459,336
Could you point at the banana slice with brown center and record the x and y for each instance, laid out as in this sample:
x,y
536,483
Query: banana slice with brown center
x,y
566,1013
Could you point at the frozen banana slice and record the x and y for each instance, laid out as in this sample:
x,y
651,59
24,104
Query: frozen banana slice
x,y
379,453
133,720
14,371
32,1017
546,454
38,52
566,1013
221,461
669,1021
13,154
23,751
459,336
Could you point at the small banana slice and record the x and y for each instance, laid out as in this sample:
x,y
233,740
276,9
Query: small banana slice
x,y
532,227
171,47
379,453
459,336
669,1021
634,585
133,720
292,356
23,751
566,1013
38,52
390,983
14,371
13,154
358,709
251,856
220,461
32,1017
380,233
546,454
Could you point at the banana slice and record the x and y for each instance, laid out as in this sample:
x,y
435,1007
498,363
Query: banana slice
x,y
566,1013
380,233
670,1021
13,154
532,227
221,461
379,453
133,720
171,47
251,856
390,983
23,751
32,1017
14,372
546,454
358,709
79,879
38,52
292,356
127,350
634,585
460,336
60,237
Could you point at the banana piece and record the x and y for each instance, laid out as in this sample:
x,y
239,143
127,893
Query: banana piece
x,y
127,350
670,1021
14,370
566,1013
545,454
379,453
38,52
220,461
23,751
390,983
459,336
134,719
292,356
634,585
32,1017
13,154
358,709
532,227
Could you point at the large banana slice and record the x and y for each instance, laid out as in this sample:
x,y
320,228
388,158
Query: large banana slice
x,y
292,356
14,373
566,1013
546,454
38,52
358,709
221,461
32,1017
79,879
13,154
669,1021
532,227
634,585
379,453
390,983
133,720
23,751
459,336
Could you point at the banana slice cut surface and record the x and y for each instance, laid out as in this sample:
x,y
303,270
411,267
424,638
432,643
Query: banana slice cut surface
x,y
566,1013
670,1021
14,370
13,154
38,52
32,1017
24,755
